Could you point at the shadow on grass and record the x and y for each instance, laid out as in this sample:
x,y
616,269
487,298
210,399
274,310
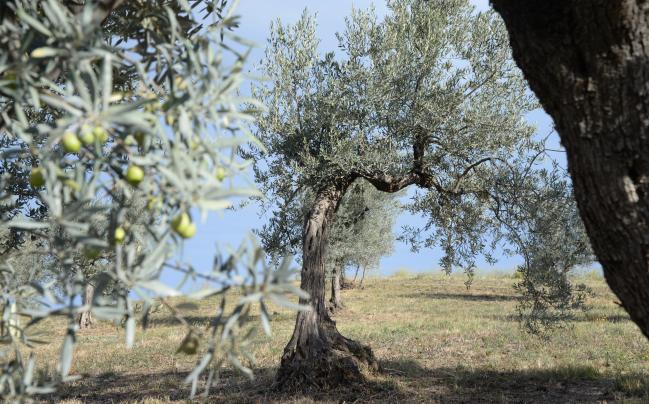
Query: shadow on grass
x,y
461,296
205,320
585,317
401,381
598,317
557,385
231,388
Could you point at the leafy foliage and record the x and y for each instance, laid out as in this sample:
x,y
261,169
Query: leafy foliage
x,y
546,230
428,96
363,230
107,109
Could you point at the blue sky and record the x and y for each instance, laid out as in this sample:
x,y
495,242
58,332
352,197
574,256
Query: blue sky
x,y
230,228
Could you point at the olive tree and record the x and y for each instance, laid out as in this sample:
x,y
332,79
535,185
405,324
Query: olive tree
x,y
586,62
361,233
427,97
543,227
104,104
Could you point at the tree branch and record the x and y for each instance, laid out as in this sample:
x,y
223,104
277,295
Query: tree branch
x,y
466,171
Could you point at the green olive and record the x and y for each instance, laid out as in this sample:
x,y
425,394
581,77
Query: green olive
x,y
134,175
71,142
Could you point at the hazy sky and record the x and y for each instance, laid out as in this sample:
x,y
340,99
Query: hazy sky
x,y
229,228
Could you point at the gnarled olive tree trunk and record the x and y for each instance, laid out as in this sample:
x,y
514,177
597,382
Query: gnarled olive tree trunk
x,y
317,354
85,319
588,63
363,278
336,300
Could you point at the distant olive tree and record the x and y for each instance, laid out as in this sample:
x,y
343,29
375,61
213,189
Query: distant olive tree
x,y
104,104
362,232
427,97
544,228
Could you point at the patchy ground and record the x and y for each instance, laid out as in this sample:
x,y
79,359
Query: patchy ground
x,y
436,340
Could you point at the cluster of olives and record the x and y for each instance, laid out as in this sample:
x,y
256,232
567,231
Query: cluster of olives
x,y
72,143
183,226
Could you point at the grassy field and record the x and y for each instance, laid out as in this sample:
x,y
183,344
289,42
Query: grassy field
x,y
436,341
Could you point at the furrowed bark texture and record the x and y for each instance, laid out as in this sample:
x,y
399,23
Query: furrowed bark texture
x,y
588,63
318,356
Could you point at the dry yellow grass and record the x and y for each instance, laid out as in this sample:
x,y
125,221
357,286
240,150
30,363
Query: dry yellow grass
x,y
436,340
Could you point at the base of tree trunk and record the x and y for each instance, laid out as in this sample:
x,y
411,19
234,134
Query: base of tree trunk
x,y
86,320
328,360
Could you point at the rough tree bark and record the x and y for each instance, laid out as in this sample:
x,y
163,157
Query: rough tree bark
x,y
318,356
85,319
588,63
336,301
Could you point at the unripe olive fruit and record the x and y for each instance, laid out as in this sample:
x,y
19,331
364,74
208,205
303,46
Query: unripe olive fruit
x,y
87,137
120,235
134,175
153,203
129,140
189,231
181,222
71,142
220,173
41,52
37,177
100,134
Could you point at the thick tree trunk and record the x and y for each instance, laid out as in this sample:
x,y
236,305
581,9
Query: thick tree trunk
x,y
85,319
318,355
588,63
335,301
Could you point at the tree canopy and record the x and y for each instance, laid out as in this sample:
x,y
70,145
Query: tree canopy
x,y
427,96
